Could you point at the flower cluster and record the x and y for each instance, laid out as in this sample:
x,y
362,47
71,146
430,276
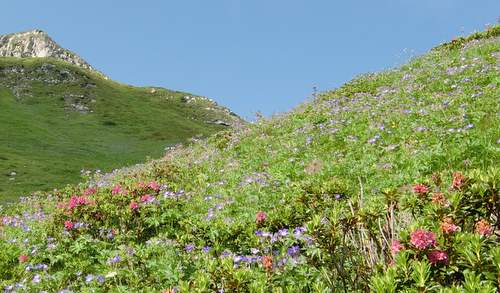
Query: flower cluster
x,y
422,239
448,227
483,228
420,189
396,247
437,257
458,180
260,217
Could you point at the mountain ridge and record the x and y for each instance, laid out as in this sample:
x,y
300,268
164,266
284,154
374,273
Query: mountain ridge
x,y
37,43
59,115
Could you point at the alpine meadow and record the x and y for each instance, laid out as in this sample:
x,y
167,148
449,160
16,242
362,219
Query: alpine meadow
x,y
388,183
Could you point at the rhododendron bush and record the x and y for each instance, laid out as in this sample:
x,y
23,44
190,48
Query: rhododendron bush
x,y
458,246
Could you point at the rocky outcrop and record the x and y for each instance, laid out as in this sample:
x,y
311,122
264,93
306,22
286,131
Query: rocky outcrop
x,y
37,43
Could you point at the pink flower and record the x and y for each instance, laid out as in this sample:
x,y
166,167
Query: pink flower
x,y
133,205
458,180
154,185
72,203
146,198
260,217
420,189
68,224
448,227
81,200
396,247
422,239
23,258
439,199
116,189
141,185
483,228
75,201
437,256
89,191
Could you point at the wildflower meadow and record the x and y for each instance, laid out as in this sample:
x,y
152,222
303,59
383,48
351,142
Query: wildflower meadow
x,y
386,184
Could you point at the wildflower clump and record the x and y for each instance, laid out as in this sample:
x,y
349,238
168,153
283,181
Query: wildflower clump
x,y
423,239
455,241
260,217
420,189
483,228
396,247
448,227
437,257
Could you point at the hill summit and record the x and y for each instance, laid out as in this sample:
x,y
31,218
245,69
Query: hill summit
x,y
58,115
37,43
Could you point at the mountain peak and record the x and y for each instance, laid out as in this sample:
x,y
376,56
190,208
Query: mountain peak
x,y
37,44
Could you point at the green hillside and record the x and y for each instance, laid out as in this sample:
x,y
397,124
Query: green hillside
x,y
386,184
57,119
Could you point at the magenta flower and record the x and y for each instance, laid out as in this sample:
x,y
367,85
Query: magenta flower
x,y
420,189
133,205
23,258
437,256
75,201
423,239
68,224
116,189
154,185
396,247
147,198
260,217
89,191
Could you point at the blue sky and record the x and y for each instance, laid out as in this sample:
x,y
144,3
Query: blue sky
x,y
253,55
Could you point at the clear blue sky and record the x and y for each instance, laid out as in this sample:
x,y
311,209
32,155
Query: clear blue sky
x,y
249,55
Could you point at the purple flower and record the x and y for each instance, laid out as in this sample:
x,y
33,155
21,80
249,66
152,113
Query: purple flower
x,y
254,250
89,278
469,126
206,249
100,279
283,232
189,248
36,279
41,267
294,250
298,231
338,196
115,260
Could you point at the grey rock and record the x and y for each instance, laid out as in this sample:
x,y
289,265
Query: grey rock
x,y
37,43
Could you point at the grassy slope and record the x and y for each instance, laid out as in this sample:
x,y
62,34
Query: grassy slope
x,y
379,132
47,144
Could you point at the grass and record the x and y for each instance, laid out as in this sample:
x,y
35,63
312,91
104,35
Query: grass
x,y
310,201
47,142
